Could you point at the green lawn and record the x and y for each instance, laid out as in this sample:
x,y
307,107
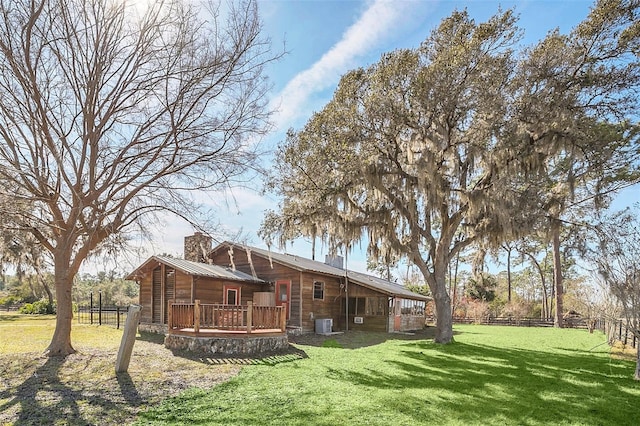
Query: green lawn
x,y
32,333
490,376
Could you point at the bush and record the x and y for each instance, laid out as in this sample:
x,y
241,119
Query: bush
x,y
10,301
39,307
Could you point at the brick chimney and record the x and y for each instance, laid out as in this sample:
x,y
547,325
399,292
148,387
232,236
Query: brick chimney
x,y
197,247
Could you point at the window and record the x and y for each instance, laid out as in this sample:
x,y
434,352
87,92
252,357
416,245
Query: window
x,y
231,295
412,307
356,306
318,290
376,306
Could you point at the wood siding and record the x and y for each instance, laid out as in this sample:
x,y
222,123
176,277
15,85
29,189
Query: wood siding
x,y
264,270
161,284
211,290
156,294
328,307
304,309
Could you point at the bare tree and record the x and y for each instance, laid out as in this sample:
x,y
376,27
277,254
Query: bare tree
x,y
113,111
617,258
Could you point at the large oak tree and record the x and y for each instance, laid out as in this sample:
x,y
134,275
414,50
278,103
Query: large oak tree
x,y
112,111
434,149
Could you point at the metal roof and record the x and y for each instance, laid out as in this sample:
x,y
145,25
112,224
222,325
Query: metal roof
x,y
308,265
199,269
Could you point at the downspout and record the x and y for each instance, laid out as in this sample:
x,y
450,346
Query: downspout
x,y
346,290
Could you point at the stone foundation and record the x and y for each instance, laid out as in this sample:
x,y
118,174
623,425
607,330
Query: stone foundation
x,y
153,328
228,345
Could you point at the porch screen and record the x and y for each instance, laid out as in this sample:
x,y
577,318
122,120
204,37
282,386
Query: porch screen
x,y
376,306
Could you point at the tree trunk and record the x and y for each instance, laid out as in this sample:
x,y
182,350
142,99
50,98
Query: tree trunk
x,y
637,375
454,300
509,275
558,320
444,320
44,284
61,342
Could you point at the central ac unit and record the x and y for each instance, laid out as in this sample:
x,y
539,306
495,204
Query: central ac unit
x,y
324,325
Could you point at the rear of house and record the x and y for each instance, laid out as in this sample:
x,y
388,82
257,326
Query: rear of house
x,y
165,280
315,296
326,295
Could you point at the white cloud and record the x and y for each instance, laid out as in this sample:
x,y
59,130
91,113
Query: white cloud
x,y
381,20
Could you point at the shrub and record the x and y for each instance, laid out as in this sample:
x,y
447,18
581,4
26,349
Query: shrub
x,y
478,310
38,308
10,301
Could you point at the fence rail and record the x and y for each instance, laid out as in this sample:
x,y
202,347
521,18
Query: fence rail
x,y
101,315
522,322
618,330
106,315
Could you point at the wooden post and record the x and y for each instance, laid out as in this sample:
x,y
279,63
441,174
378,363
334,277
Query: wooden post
x,y
128,338
283,319
196,316
249,316
170,316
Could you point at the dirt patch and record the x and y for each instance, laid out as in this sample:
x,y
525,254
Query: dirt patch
x,y
83,389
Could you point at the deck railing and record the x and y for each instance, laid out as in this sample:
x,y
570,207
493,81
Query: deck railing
x,y
199,316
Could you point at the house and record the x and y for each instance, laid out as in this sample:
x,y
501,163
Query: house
x,y
164,280
314,294
234,288
208,308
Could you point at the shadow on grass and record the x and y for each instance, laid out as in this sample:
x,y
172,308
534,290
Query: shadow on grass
x,y
44,399
12,317
9,317
360,339
482,384
288,355
128,389
151,337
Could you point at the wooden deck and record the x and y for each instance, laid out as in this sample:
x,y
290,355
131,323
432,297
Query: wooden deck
x,y
216,320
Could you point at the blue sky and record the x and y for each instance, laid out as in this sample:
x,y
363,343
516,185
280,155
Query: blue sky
x,y
324,40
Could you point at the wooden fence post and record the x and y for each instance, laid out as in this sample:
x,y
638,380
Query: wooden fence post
x,y
196,316
128,338
249,316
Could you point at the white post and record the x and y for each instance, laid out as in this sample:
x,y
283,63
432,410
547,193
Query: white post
x,y
128,338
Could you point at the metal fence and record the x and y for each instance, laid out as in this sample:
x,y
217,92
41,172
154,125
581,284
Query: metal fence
x,y
95,313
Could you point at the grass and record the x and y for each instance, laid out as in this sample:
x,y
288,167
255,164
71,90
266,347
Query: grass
x,y
83,389
32,333
490,376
